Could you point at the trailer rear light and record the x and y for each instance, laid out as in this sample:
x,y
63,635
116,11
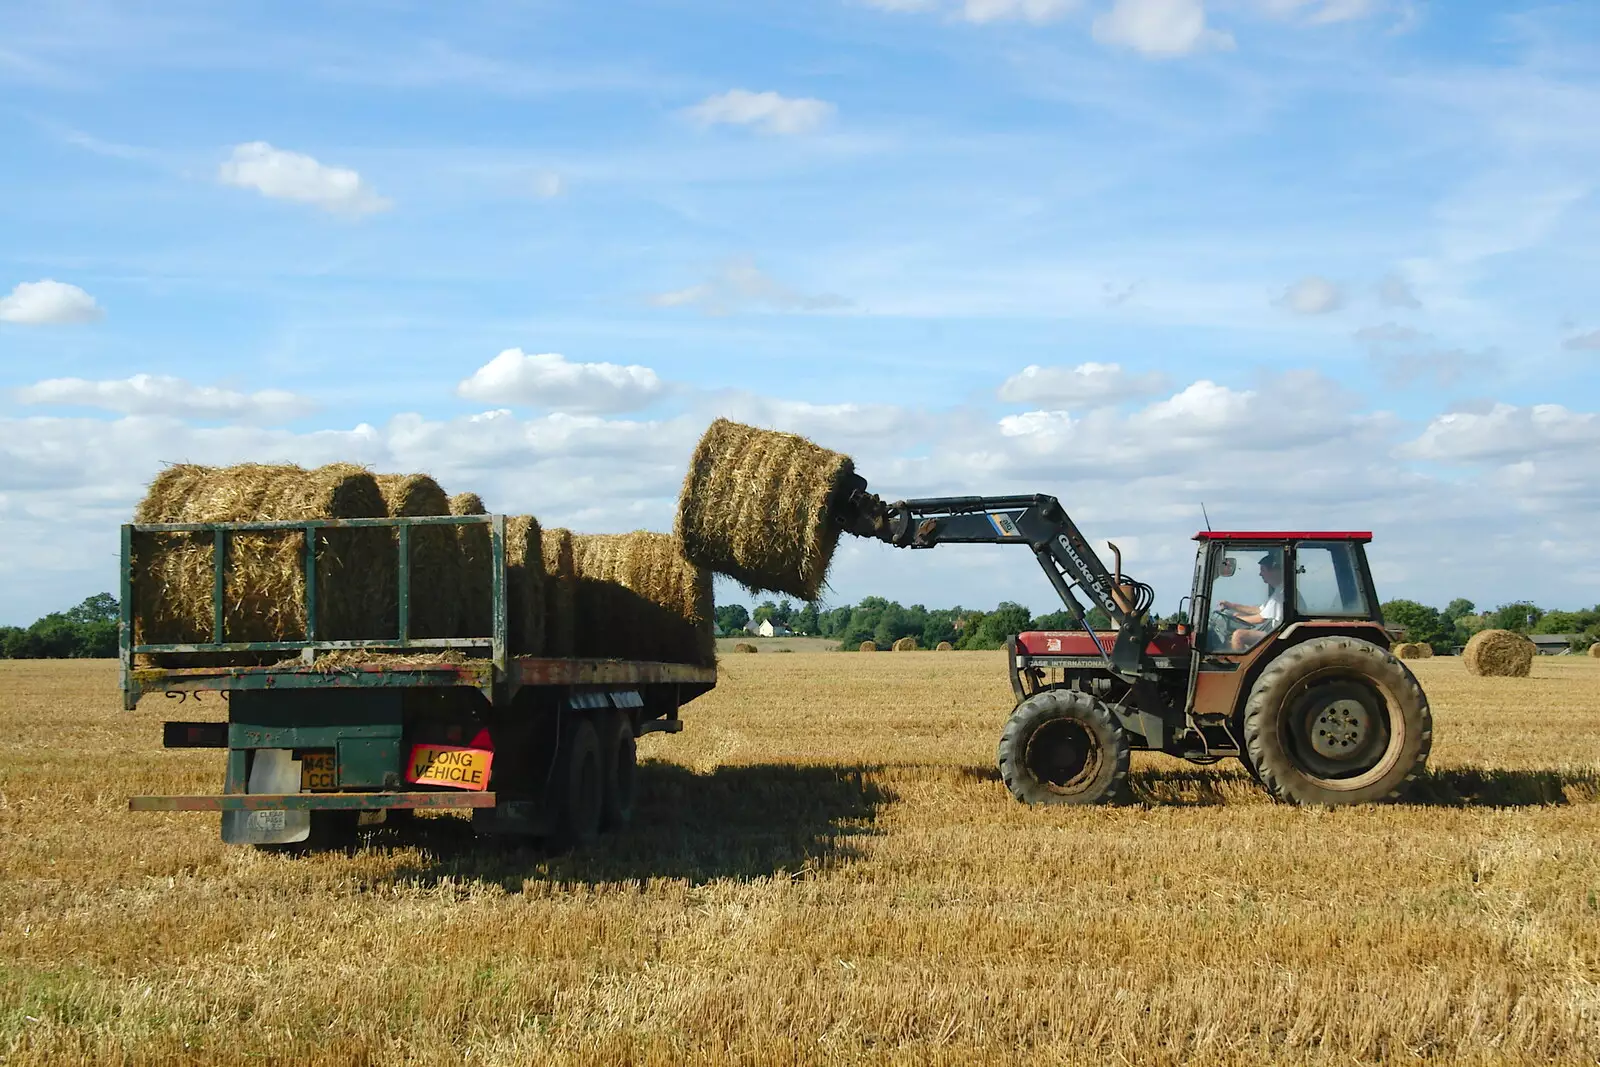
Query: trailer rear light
x,y
194,734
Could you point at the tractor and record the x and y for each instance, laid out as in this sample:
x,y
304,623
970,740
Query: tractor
x,y
1284,664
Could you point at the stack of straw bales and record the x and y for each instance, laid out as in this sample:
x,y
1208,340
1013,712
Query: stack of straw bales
x,y
477,558
638,598
905,644
265,598
436,573
1499,653
560,593
755,506
1412,650
525,610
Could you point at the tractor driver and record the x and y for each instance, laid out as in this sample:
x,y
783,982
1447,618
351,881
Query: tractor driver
x,y
1259,619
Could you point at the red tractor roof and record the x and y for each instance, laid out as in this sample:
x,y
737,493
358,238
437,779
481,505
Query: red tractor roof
x,y
1284,535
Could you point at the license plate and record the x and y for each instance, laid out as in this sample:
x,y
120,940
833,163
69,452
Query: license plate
x,y
318,772
451,765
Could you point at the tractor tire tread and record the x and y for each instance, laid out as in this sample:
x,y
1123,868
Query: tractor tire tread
x,y
1061,703
1367,660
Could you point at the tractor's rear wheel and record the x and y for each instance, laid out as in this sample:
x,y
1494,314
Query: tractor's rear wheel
x,y
1336,721
1063,747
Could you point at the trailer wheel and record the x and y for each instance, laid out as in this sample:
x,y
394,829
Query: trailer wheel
x,y
578,786
619,757
1063,747
1337,721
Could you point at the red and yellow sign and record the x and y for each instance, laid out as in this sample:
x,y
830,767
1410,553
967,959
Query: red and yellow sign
x,y
451,765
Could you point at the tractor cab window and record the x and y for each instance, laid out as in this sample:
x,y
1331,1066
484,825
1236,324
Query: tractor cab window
x,y
1246,597
1327,580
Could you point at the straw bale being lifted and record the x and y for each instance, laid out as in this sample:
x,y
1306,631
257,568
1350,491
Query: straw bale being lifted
x,y
436,599
560,594
1412,650
754,506
638,598
525,585
265,572
905,644
477,568
1499,654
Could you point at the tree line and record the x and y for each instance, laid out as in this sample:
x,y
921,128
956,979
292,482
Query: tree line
x,y
885,621
88,631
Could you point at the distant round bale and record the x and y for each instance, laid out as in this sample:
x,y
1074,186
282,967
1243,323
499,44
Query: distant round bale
x,y
1499,654
755,506
868,646
905,644
436,579
1412,650
944,646
742,647
1594,650
265,572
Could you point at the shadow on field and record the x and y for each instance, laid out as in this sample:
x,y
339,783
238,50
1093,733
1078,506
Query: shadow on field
x,y
1202,787
1493,787
737,822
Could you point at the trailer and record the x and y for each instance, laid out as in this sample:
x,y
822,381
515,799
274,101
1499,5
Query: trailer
x,y
324,736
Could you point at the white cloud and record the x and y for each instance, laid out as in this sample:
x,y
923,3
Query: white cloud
x,y
1511,433
548,380
548,185
1395,292
146,394
740,284
284,175
1084,386
1312,295
1319,12
48,302
1388,333
1589,341
980,11
768,112
1160,28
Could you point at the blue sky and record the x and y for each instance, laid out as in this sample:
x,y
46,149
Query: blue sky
x,y
1323,263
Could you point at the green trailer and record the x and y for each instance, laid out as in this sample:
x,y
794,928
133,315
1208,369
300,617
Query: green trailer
x,y
318,744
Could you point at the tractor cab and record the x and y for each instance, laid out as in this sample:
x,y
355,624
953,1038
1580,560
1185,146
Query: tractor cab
x,y
1250,588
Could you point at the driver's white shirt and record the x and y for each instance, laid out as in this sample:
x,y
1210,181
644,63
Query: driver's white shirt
x,y
1272,610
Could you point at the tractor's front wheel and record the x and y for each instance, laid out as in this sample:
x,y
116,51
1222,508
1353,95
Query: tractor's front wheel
x,y
1337,721
1063,747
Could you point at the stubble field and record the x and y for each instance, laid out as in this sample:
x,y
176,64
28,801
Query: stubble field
x,y
826,869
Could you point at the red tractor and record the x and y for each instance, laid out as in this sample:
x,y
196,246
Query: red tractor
x,y
1285,667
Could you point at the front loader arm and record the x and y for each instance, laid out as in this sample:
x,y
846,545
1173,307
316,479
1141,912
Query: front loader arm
x,y
1037,521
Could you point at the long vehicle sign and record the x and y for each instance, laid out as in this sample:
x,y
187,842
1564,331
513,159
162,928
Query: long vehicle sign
x,y
449,765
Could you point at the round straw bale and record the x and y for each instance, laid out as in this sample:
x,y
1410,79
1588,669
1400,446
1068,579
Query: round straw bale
x,y
560,593
638,598
437,593
755,506
1499,653
477,563
905,644
265,572
525,610
944,646
1412,650
868,646
742,647
1594,650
